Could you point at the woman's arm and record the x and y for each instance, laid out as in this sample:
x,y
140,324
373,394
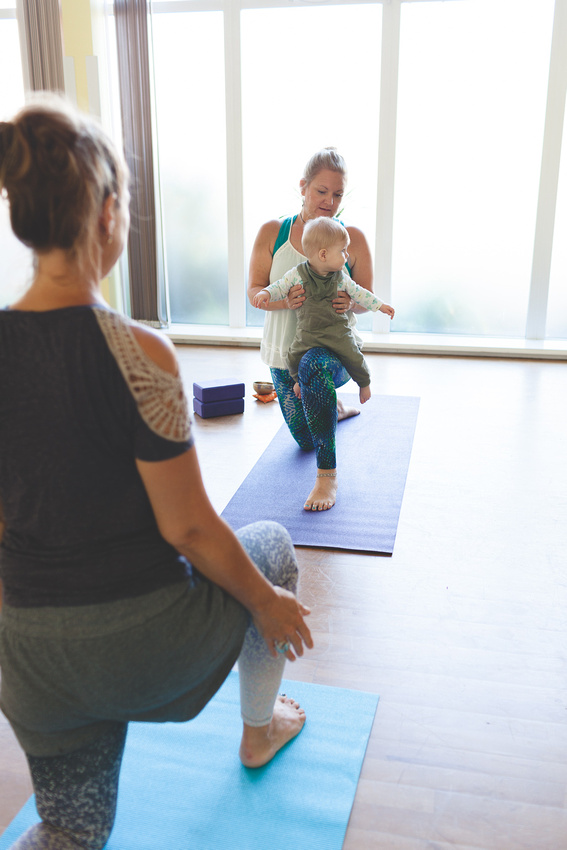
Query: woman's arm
x,y
188,521
360,259
360,262
261,266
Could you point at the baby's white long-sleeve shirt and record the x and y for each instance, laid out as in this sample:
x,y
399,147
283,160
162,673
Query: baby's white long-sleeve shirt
x,y
278,290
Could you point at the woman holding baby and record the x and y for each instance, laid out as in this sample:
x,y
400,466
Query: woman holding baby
x,y
312,419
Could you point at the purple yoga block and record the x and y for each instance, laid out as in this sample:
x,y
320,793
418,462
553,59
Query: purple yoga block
x,y
219,390
218,408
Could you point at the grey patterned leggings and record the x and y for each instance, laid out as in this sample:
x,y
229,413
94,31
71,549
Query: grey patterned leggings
x,y
76,793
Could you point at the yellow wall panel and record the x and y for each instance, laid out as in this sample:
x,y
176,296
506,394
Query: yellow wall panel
x,y
77,35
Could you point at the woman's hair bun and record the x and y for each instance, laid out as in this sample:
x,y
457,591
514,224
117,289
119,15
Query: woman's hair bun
x,y
57,167
326,158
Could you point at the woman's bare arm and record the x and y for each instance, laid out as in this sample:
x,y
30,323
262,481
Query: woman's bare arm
x,y
360,262
261,265
188,521
361,259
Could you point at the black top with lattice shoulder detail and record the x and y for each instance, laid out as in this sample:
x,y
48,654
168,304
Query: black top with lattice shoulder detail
x,y
80,401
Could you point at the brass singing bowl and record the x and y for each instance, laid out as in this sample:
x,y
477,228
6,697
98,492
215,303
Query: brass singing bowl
x,y
263,387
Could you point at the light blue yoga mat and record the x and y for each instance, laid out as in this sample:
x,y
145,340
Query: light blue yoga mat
x,y
182,786
373,455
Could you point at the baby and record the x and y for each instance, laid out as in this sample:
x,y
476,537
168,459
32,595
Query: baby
x,y
325,242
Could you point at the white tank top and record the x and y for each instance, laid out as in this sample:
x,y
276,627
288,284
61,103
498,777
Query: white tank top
x,y
280,325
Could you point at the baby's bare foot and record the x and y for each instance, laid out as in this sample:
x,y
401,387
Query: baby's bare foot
x,y
324,494
261,743
344,412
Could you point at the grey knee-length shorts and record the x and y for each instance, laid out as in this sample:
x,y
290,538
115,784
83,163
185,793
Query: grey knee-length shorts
x,y
72,674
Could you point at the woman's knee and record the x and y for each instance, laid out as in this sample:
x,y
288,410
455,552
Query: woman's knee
x,y
319,366
312,364
270,547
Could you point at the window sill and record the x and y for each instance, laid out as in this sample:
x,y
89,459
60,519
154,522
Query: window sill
x,y
393,343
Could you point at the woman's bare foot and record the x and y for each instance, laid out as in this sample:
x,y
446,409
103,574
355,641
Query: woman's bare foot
x,y
324,494
364,394
260,743
345,412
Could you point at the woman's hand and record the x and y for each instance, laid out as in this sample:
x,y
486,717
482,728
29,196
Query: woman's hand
x,y
282,621
343,302
295,297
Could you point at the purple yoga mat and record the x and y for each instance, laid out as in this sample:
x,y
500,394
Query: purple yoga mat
x,y
373,454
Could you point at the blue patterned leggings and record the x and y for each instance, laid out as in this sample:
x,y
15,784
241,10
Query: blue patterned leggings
x,y
313,419
76,793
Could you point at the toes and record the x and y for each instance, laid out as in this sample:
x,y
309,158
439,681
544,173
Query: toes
x,y
318,506
290,701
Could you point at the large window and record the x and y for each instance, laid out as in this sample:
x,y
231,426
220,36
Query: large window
x,y
191,128
471,111
310,78
440,111
449,114
16,260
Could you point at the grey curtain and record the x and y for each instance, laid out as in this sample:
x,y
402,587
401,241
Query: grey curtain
x,y
44,44
135,96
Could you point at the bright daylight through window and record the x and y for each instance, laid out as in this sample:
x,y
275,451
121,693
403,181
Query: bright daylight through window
x,y
442,109
471,110
468,132
190,110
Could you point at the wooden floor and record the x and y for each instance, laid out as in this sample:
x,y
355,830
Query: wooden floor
x,y
462,632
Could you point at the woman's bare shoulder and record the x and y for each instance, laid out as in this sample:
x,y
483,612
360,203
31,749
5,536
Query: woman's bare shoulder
x,y
157,346
356,235
268,233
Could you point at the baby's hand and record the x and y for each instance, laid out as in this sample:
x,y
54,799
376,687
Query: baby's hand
x,y
260,299
297,390
389,311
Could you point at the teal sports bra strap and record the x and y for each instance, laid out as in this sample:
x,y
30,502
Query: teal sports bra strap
x,y
283,236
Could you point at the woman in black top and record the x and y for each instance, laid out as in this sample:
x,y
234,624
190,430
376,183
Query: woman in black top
x,y
126,597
